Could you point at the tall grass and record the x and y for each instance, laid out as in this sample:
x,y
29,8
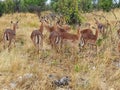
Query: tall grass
x,y
87,70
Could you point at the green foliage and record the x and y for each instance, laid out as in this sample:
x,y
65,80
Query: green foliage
x,y
106,5
23,6
32,5
69,9
85,5
77,68
9,6
99,42
1,8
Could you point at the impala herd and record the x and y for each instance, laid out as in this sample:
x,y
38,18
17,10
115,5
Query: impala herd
x,y
58,34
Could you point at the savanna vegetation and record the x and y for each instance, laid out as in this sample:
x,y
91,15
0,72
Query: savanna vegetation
x,y
90,62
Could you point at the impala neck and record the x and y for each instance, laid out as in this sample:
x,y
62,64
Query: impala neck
x,y
96,33
49,28
41,27
55,27
14,27
78,32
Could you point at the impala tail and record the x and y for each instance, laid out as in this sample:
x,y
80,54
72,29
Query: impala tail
x,y
37,39
57,40
6,36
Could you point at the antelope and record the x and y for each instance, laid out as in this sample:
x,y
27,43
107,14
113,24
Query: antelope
x,y
55,32
59,37
55,40
10,35
89,38
70,36
54,37
37,37
65,26
84,35
57,27
101,27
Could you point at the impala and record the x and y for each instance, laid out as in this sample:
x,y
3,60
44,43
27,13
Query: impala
x,y
10,35
90,38
58,37
55,34
101,27
56,27
37,37
55,40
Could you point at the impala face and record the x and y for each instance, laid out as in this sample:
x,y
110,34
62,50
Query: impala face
x,y
15,24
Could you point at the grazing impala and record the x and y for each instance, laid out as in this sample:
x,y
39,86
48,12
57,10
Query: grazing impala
x,y
10,35
37,36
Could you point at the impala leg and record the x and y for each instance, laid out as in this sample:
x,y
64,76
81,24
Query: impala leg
x,y
61,44
81,47
41,44
9,44
36,47
33,40
14,41
54,46
51,43
90,47
58,46
96,48
4,43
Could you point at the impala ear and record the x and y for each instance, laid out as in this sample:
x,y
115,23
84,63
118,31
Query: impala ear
x,y
11,21
93,27
17,21
79,24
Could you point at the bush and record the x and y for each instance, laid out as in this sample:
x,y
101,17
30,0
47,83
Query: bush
x,y
69,9
1,8
105,5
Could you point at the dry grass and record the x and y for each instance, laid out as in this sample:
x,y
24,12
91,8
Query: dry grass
x,y
87,70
